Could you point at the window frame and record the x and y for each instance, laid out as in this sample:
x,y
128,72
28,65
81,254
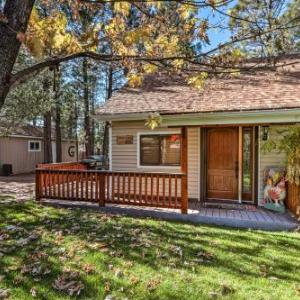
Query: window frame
x,y
156,133
34,150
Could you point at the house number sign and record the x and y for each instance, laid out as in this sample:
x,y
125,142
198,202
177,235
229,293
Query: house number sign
x,y
125,140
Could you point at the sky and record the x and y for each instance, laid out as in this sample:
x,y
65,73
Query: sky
x,y
216,36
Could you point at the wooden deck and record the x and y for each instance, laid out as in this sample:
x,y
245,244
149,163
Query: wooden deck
x,y
250,219
157,195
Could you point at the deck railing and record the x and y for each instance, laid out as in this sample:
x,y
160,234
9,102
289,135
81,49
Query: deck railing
x,y
293,199
132,188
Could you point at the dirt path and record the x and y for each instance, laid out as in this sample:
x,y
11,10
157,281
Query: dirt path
x,y
19,187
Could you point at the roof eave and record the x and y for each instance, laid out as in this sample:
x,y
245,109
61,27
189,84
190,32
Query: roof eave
x,y
283,115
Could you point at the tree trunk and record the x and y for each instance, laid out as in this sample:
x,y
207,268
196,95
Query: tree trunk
x,y
93,125
108,96
58,138
17,13
76,132
47,139
86,99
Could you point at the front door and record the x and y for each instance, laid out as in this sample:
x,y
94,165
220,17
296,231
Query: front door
x,y
222,163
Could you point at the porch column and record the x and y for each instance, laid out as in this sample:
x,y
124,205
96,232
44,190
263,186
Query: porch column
x,y
184,169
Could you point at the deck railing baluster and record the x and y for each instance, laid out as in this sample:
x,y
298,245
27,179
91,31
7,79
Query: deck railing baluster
x,y
136,188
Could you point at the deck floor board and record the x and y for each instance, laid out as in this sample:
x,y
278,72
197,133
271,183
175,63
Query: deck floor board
x,y
257,218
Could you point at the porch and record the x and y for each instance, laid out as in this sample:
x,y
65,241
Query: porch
x,y
154,195
257,218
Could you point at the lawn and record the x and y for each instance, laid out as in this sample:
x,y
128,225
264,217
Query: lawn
x,y
49,253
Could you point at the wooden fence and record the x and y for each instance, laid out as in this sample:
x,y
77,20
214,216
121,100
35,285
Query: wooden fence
x,y
63,166
293,199
131,188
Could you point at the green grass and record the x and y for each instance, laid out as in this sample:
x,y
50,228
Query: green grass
x,y
133,258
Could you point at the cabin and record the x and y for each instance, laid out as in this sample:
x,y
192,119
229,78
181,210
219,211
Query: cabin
x,y
22,149
223,127
206,149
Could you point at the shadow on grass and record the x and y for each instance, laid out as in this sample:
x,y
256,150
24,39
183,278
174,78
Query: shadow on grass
x,y
154,245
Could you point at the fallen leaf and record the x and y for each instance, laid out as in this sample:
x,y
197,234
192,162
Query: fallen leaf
x,y
33,292
4,293
226,289
18,279
213,295
152,284
119,273
134,280
106,287
88,268
65,284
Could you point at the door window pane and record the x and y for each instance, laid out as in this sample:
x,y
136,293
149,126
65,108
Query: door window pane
x,y
247,163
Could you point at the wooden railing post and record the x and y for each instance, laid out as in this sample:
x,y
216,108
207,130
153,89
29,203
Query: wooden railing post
x,y
102,189
293,199
37,185
184,168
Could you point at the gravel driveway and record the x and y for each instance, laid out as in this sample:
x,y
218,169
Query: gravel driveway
x,y
19,187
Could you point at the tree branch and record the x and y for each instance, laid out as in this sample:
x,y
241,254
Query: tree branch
x,y
22,75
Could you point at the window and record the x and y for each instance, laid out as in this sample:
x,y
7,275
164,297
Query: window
x,y
34,146
247,163
160,150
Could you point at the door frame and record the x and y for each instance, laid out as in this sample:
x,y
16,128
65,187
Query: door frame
x,y
203,165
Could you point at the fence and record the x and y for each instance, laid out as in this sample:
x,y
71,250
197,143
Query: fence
x,y
132,188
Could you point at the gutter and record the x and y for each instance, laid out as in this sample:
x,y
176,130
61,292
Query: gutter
x,y
204,118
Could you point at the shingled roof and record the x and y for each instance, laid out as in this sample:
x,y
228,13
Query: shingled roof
x,y
170,94
27,131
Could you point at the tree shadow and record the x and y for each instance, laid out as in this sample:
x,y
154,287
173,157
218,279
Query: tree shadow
x,y
154,245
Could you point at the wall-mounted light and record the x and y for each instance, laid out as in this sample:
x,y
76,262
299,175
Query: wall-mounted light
x,y
265,135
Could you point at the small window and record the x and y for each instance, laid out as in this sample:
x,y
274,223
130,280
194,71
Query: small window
x,y
34,146
160,150
247,163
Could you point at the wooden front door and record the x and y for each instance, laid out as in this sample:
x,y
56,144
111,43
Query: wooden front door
x,y
222,163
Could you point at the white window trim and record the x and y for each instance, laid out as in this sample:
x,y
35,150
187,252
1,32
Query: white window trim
x,y
139,166
35,141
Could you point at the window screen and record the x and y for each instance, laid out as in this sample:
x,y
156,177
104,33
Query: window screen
x,y
160,150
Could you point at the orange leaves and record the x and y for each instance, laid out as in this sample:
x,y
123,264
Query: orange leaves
x,y
21,37
203,31
3,18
